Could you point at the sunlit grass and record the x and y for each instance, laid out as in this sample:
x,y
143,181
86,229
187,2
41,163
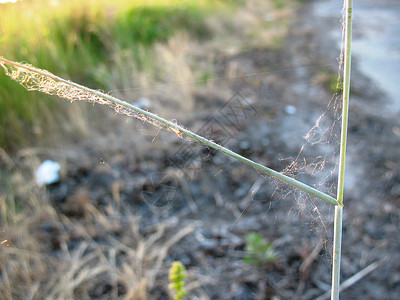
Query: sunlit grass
x,y
29,24
80,40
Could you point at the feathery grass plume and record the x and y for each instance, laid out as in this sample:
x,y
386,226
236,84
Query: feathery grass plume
x,y
35,79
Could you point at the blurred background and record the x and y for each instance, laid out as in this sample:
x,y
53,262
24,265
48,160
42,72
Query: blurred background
x,y
122,199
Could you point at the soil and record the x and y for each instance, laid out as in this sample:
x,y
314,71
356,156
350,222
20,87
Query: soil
x,y
186,185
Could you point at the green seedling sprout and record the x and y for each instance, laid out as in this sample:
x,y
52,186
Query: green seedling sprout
x,y
177,276
258,250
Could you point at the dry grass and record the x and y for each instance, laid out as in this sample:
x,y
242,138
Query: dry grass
x,y
102,254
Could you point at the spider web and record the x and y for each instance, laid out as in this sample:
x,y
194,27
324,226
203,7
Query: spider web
x,y
316,163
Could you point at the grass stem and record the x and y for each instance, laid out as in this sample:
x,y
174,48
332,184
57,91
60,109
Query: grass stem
x,y
49,83
337,240
337,251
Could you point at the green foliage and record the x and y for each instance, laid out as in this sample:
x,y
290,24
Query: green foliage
x,y
279,4
19,124
177,275
259,251
148,24
78,41
204,76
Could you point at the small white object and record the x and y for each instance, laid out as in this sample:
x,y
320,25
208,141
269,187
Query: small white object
x,y
143,102
47,173
290,109
244,145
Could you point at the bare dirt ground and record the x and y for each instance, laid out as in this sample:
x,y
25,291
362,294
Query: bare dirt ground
x,y
195,205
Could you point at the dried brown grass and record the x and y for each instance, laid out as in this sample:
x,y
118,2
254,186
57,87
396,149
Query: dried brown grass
x,y
46,254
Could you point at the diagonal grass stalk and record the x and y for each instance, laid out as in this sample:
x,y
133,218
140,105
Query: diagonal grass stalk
x,y
36,79
337,239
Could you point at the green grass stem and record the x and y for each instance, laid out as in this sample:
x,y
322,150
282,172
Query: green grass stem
x,y
337,252
36,79
337,240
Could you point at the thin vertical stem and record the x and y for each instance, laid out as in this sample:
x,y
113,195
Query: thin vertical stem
x,y
337,251
337,239
346,94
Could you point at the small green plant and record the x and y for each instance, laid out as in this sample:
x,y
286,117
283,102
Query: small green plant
x,y
177,275
258,250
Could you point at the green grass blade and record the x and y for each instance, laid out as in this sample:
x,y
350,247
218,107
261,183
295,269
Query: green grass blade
x,y
36,79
